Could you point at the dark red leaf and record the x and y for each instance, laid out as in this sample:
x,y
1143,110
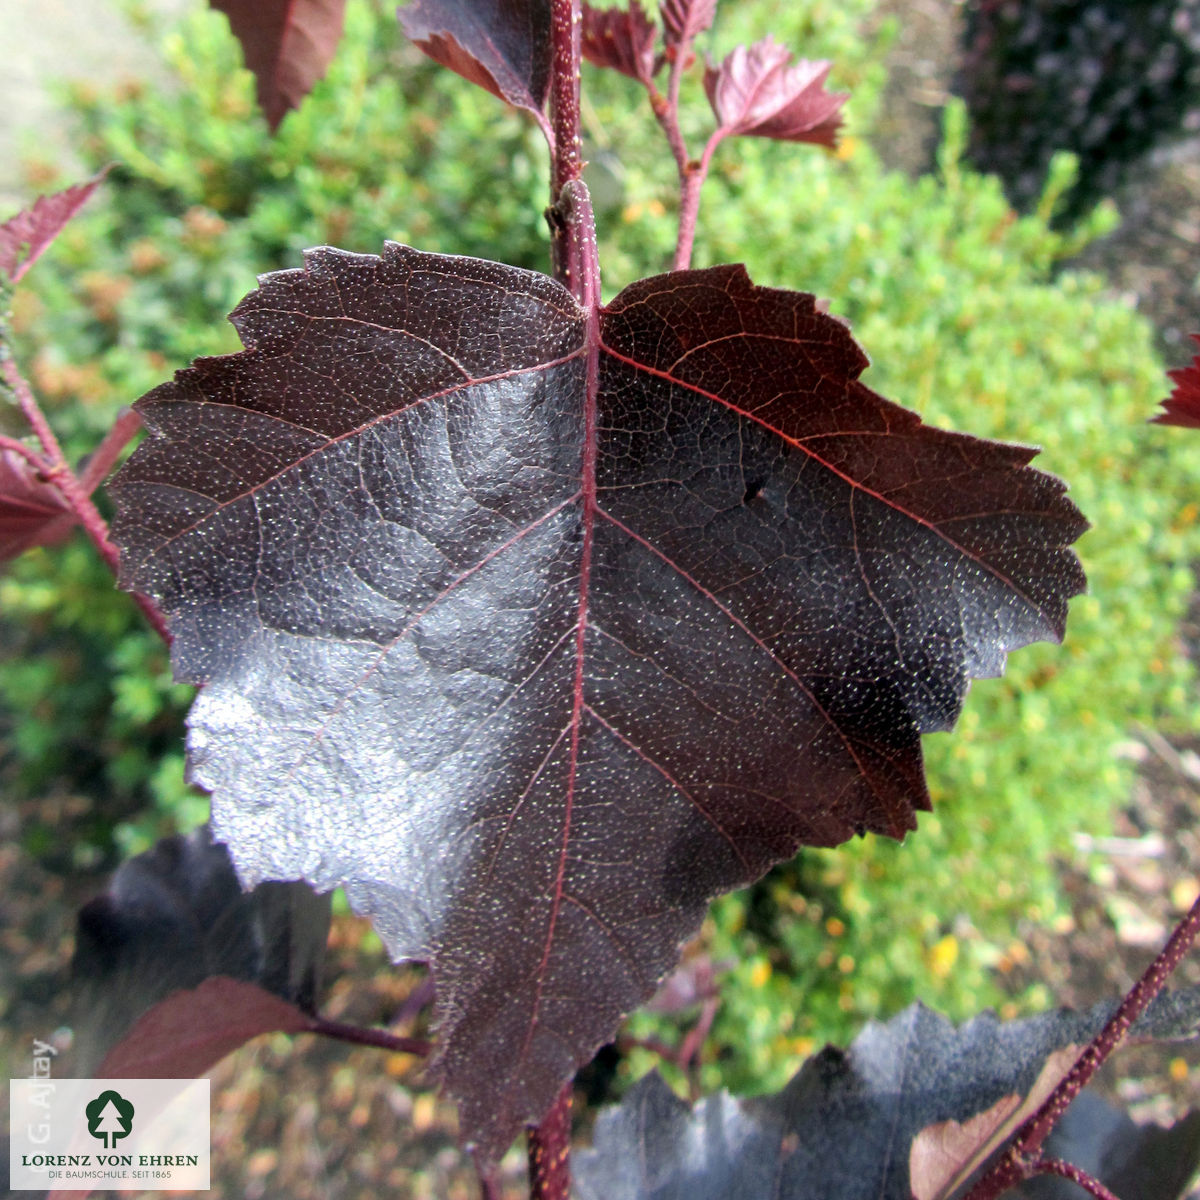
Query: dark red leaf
x,y
536,675
23,238
190,1031
1182,407
501,45
755,93
32,511
684,19
620,39
287,44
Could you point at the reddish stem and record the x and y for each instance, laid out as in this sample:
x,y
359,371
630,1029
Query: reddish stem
x,y
489,1185
58,471
32,412
32,457
1023,1157
692,173
550,1152
691,180
566,22
666,1052
566,25
667,115
698,1034
102,460
1055,1166
379,1038
577,267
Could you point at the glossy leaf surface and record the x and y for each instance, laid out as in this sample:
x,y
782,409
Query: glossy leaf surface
x,y
287,44
502,46
845,1123
537,642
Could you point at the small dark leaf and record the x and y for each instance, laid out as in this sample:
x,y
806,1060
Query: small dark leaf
x,y
287,44
756,94
621,39
24,238
508,651
844,1126
684,19
190,1031
501,45
176,915
32,511
1182,407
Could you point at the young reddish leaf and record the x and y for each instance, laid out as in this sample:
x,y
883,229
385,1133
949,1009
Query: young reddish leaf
x,y
501,45
683,20
620,39
287,44
1182,407
537,644
755,93
191,1031
24,238
32,511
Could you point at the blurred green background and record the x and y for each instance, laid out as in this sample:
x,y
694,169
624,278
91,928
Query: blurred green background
x,y
968,316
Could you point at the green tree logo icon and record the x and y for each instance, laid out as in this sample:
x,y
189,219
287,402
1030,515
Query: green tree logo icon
x,y
109,1117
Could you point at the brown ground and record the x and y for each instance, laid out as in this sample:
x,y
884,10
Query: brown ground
x,y
318,1121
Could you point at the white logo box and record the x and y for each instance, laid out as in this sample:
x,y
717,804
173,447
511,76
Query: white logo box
x,y
162,1145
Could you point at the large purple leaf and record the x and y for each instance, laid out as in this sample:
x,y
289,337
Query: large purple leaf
x,y
536,645
287,44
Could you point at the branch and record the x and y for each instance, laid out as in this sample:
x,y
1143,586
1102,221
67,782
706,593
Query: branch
x,y
566,22
58,472
102,460
1055,1166
359,1036
692,173
32,457
1023,1158
550,1152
